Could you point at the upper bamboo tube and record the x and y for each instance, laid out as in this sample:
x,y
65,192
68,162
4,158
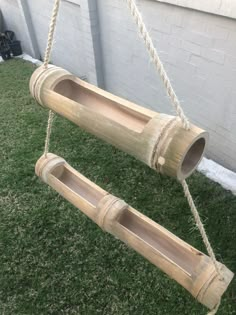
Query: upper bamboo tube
x,y
158,140
188,266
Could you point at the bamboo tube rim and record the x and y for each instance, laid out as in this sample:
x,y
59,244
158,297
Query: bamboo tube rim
x,y
193,156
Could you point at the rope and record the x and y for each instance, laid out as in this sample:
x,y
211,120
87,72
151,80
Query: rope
x,y
185,122
157,62
159,146
51,32
48,133
200,226
170,92
47,56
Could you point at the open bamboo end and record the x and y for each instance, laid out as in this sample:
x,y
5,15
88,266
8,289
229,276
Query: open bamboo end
x,y
46,164
184,152
192,157
212,291
46,78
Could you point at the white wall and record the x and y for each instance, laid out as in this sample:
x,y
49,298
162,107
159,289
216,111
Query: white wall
x,y
1,21
68,51
99,40
218,7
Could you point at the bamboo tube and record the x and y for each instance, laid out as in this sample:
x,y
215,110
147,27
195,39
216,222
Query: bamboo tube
x,y
156,139
185,264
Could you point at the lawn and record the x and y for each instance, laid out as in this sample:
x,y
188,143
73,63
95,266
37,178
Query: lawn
x,y
53,259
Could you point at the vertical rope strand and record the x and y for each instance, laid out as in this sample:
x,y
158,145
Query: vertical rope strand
x,y
48,132
200,226
157,62
51,32
47,56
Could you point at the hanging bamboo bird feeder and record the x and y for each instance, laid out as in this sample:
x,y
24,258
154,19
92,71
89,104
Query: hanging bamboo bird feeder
x,y
188,266
168,144
159,140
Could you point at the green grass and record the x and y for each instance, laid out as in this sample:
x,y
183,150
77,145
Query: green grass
x,y
53,259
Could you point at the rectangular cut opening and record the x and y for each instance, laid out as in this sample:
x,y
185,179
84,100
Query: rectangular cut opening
x,y
186,258
115,111
78,184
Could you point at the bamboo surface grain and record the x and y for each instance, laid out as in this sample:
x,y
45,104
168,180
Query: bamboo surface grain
x,y
157,139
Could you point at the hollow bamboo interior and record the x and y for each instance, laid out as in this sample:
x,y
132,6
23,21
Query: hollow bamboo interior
x,y
185,264
156,139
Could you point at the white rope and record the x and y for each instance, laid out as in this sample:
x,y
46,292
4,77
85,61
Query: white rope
x,y
159,146
200,226
157,62
51,32
48,132
176,104
47,56
204,237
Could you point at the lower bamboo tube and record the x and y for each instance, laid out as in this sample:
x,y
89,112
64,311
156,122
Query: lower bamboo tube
x,y
156,139
185,264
